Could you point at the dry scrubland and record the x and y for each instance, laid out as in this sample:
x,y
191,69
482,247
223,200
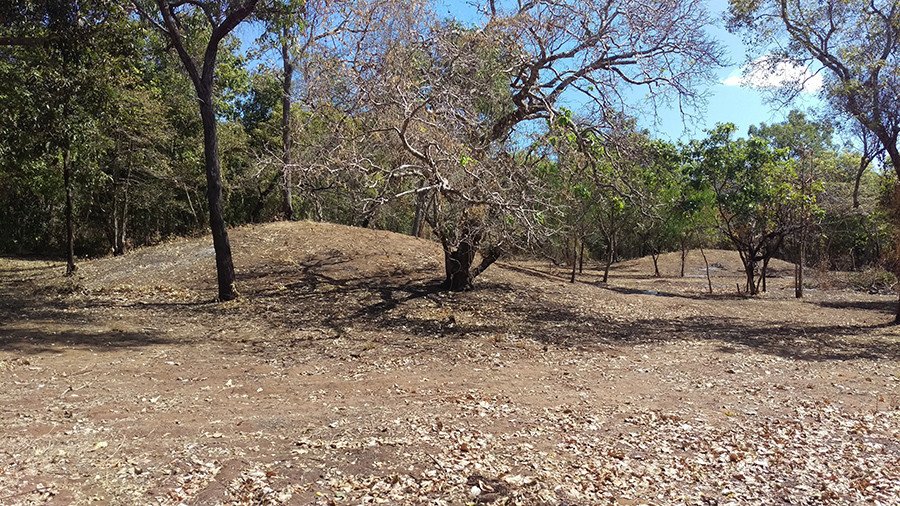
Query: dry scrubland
x,y
341,377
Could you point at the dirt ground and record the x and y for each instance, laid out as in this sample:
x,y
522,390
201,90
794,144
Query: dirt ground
x,y
342,377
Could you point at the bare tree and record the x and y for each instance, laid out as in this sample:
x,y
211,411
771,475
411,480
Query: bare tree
x,y
460,100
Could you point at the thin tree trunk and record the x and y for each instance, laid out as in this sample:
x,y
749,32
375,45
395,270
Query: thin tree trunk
x,y
765,273
70,226
798,285
581,259
708,277
203,80
750,271
610,256
863,164
574,260
287,201
190,202
655,256
224,263
683,256
120,216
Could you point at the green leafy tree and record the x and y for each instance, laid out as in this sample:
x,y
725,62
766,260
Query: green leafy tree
x,y
56,81
809,144
756,194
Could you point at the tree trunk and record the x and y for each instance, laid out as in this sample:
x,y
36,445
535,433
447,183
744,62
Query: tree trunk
x,y
798,285
863,164
708,277
224,263
70,226
750,270
894,155
120,216
581,259
610,256
460,275
655,256
765,273
458,267
683,256
419,218
574,260
287,201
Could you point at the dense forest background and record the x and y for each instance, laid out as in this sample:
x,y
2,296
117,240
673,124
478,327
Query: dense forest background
x,y
383,114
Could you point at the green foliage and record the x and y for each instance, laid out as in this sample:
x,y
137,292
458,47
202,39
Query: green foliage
x,y
111,92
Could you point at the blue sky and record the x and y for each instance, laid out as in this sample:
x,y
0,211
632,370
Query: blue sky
x,y
736,102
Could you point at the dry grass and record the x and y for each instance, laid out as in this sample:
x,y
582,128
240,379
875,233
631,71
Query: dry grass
x,y
342,377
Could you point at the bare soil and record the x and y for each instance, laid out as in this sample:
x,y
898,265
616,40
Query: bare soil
x,y
341,376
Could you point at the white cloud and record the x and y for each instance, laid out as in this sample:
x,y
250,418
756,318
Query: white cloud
x,y
764,73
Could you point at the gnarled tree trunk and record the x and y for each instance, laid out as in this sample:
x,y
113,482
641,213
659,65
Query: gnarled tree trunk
x,y
458,265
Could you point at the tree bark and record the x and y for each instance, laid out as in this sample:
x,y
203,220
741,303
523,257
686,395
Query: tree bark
x,y
120,215
798,285
683,256
655,256
574,260
288,67
750,271
221,244
419,218
70,225
765,273
895,161
708,277
458,267
610,256
581,259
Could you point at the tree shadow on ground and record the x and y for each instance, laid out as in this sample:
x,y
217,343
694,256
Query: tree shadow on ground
x,y
326,297
883,306
584,279
658,293
588,276
34,341
796,341
415,305
32,321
